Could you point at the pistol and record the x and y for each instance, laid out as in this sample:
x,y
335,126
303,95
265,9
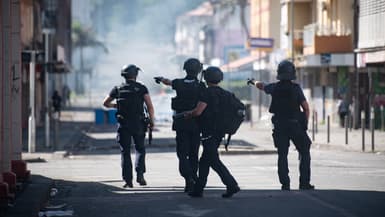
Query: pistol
x,y
179,116
158,79
250,81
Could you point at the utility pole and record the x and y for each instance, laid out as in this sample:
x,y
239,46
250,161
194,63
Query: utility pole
x,y
356,73
292,29
31,119
47,32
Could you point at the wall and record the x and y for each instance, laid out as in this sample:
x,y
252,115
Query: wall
x,y
10,82
27,22
275,19
265,21
302,14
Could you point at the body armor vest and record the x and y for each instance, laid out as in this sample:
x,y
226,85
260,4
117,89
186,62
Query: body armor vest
x,y
130,103
284,103
187,94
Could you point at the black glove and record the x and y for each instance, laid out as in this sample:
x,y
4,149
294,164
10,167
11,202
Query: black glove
x,y
158,79
179,116
250,81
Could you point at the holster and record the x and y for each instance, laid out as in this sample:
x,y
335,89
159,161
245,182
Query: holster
x,y
120,119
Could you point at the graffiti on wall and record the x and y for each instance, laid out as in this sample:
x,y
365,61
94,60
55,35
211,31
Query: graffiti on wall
x,y
15,88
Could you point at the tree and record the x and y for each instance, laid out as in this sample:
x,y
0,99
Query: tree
x,y
242,4
81,38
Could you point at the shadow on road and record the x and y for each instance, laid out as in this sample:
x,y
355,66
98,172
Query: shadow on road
x,y
107,198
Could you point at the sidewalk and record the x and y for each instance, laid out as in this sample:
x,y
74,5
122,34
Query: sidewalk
x,y
260,135
338,139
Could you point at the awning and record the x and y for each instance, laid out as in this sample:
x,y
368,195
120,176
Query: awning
x,y
326,60
365,57
238,64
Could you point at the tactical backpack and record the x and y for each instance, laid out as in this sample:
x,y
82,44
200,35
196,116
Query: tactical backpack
x,y
129,105
233,113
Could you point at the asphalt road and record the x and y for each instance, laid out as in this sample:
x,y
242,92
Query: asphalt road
x,y
347,183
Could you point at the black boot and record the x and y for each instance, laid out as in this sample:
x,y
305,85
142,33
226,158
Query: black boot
x,y
140,179
189,185
128,184
197,191
285,187
307,186
231,191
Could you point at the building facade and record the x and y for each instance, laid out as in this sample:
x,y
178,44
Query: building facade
x,y
10,84
318,36
370,51
21,32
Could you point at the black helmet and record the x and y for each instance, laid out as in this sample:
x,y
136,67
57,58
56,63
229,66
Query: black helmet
x,y
192,66
286,70
129,71
213,74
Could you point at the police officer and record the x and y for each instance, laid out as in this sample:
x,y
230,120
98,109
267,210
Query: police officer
x,y
130,98
290,123
187,90
208,110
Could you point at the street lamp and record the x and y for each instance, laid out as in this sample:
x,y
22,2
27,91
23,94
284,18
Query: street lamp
x,y
47,32
31,119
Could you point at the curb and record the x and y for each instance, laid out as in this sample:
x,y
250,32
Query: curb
x,y
326,146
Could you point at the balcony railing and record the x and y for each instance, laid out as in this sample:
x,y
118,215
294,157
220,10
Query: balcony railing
x,y
315,29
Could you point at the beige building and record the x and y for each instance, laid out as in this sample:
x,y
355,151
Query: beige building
x,y
318,36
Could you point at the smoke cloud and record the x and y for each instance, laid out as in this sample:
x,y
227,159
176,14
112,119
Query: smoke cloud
x,y
146,41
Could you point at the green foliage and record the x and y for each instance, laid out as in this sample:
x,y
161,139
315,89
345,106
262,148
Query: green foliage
x,y
84,37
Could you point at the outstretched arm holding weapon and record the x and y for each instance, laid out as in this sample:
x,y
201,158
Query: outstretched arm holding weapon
x,y
258,84
163,80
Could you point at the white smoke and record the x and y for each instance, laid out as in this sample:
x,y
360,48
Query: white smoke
x,y
147,43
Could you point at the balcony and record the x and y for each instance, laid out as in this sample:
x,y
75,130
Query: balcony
x,y
325,39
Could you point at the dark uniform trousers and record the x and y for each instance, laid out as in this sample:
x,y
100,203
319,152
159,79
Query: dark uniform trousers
x,y
124,140
187,151
210,158
283,132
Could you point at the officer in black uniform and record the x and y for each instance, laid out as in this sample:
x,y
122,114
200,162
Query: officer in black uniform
x,y
130,98
188,90
290,123
208,109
